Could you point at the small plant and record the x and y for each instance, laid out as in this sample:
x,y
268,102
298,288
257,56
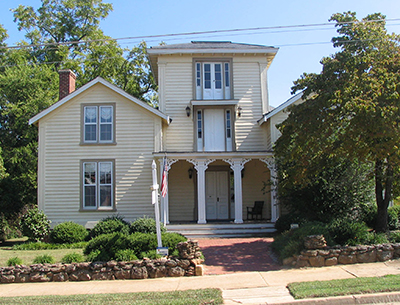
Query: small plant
x,y
110,224
44,259
13,261
72,258
145,225
35,225
373,238
394,236
152,254
125,255
393,217
68,232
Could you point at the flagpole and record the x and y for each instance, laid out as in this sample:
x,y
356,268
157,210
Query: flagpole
x,y
154,199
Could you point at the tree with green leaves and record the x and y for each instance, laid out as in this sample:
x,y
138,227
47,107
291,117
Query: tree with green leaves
x,y
66,34
61,34
351,109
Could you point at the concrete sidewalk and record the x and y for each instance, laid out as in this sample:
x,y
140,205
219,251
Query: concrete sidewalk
x,y
267,287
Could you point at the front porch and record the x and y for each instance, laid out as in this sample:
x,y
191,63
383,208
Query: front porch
x,y
218,186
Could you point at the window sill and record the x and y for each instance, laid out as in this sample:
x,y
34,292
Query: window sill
x,y
97,143
213,102
98,210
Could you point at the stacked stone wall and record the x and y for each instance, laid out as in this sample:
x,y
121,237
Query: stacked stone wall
x,y
187,264
317,254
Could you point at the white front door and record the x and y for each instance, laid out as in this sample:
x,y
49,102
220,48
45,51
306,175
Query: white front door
x,y
217,195
214,130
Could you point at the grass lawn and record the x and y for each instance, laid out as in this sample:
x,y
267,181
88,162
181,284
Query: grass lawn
x,y
188,297
345,287
28,256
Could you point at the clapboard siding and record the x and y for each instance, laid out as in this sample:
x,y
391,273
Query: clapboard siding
x,y
181,193
255,175
61,154
178,92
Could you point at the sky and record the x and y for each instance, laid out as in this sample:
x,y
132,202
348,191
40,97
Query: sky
x,y
300,48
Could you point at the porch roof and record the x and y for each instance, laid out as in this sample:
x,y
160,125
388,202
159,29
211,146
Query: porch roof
x,y
214,154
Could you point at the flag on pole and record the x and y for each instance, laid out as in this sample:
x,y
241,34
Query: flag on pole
x,y
164,179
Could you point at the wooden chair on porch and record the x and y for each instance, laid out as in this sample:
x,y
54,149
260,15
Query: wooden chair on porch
x,y
255,210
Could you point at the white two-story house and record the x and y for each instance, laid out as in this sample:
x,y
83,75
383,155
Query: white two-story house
x,y
96,144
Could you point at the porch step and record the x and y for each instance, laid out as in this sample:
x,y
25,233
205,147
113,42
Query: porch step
x,y
194,231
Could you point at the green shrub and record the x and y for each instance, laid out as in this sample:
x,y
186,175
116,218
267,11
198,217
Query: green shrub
x,y
368,213
346,231
105,247
292,242
283,223
393,217
145,225
394,237
111,224
35,225
125,255
72,258
3,224
373,238
68,232
152,254
13,261
44,259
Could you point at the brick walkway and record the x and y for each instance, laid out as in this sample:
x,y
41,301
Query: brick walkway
x,y
227,255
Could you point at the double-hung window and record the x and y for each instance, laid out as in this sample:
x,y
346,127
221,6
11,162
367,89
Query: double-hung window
x,y
98,124
98,185
213,80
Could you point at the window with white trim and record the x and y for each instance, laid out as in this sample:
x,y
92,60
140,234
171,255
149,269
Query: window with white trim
x,y
214,129
98,185
98,124
213,80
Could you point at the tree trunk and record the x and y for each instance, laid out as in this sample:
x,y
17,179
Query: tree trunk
x,y
383,193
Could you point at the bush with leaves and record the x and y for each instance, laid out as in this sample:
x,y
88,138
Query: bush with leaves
x,y
125,255
111,224
68,232
284,221
393,217
106,247
2,229
347,231
291,242
44,259
145,225
13,261
72,258
35,225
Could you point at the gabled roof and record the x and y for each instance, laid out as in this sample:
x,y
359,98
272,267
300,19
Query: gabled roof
x,y
98,80
209,47
281,107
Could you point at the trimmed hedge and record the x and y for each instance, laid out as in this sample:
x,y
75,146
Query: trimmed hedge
x,y
68,232
145,225
111,224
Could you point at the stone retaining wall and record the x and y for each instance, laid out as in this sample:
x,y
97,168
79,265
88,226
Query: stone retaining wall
x,y
187,264
322,255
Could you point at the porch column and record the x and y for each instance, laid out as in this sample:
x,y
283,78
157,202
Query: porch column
x,y
274,199
237,165
165,200
201,165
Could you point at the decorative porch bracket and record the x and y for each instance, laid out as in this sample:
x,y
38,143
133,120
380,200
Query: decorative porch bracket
x,y
164,200
237,166
270,162
201,165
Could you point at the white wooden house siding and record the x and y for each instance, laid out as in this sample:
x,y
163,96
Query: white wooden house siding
x,y
60,153
178,93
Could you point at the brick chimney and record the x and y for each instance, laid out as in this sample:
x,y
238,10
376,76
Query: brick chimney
x,y
67,83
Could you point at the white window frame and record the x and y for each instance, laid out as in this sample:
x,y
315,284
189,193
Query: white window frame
x,y
98,123
226,80
97,185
